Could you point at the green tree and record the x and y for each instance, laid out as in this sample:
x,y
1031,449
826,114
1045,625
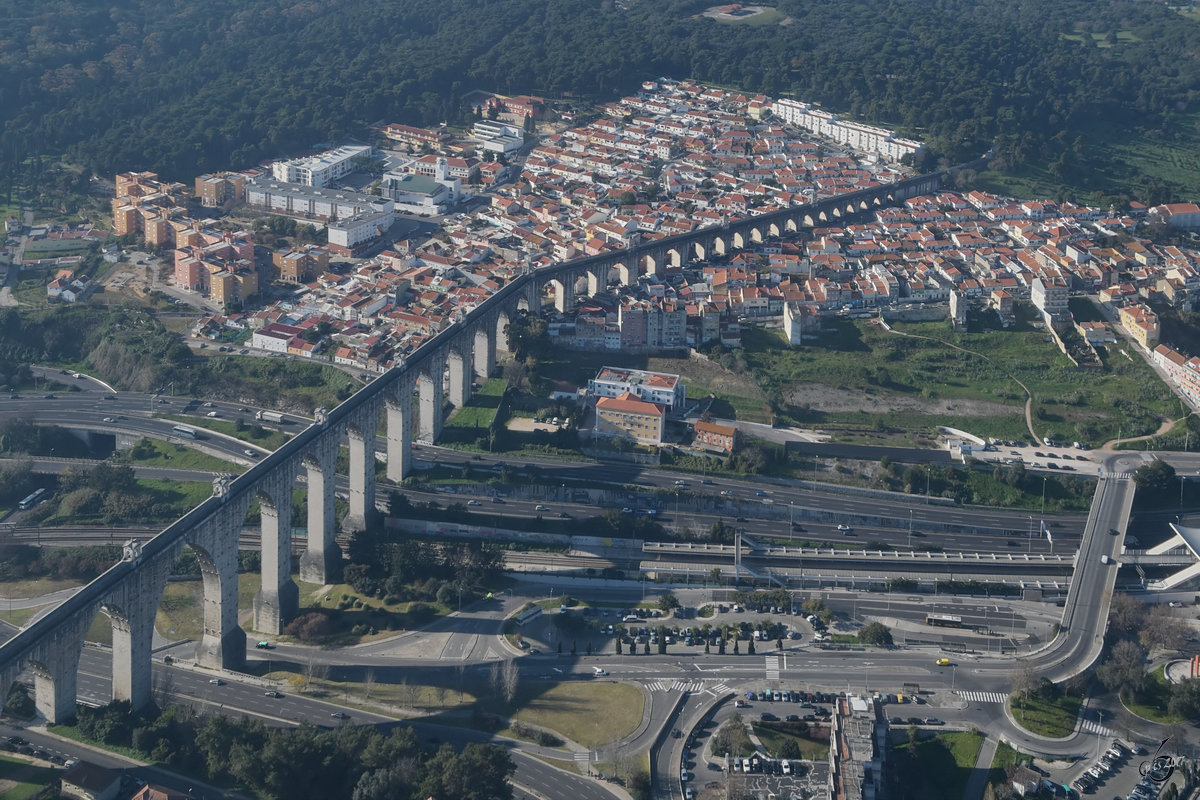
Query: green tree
x,y
875,633
1185,699
1154,480
20,703
1125,668
668,602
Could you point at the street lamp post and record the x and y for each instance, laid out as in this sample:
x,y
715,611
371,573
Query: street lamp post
x,y
1029,534
910,521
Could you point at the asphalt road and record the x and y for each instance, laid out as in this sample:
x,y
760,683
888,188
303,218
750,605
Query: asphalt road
x,y
1083,621
754,509
238,695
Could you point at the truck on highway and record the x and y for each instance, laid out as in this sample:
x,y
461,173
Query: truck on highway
x,y
269,416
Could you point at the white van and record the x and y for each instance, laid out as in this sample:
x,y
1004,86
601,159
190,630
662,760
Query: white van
x,y
599,672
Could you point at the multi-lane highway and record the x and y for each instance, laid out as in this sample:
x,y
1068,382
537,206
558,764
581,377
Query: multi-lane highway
x,y
763,508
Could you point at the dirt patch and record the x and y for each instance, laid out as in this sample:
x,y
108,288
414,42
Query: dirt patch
x,y
820,397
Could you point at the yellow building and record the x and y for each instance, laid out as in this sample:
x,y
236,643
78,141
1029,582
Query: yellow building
x,y
629,418
1142,325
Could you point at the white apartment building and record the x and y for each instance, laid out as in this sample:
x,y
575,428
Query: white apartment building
x,y
347,234
319,170
1049,295
652,387
866,138
295,200
497,136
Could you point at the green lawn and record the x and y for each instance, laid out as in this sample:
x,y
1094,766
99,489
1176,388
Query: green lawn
x,y
180,496
156,453
1102,39
477,415
19,616
36,587
941,764
592,713
774,734
1053,718
767,17
28,779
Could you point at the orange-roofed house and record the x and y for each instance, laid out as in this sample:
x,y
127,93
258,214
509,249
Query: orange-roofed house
x,y
626,417
1178,215
715,437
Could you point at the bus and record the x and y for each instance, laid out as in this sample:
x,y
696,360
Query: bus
x,y
31,500
184,431
529,614
943,620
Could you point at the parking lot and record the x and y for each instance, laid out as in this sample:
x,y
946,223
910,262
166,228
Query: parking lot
x,y
811,782
1116,772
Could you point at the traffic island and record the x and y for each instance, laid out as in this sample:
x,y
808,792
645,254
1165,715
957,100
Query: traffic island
x,y
1047,711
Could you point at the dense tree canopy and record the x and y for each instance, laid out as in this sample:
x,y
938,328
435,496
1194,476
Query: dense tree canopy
x,y
181,87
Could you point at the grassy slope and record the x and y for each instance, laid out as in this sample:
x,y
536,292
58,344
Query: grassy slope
x,y
856,356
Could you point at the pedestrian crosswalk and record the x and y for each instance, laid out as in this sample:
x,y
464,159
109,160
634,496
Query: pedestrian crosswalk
x,y
983,697
684,686
718,690
583,757
1089,726
772,668
688,686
